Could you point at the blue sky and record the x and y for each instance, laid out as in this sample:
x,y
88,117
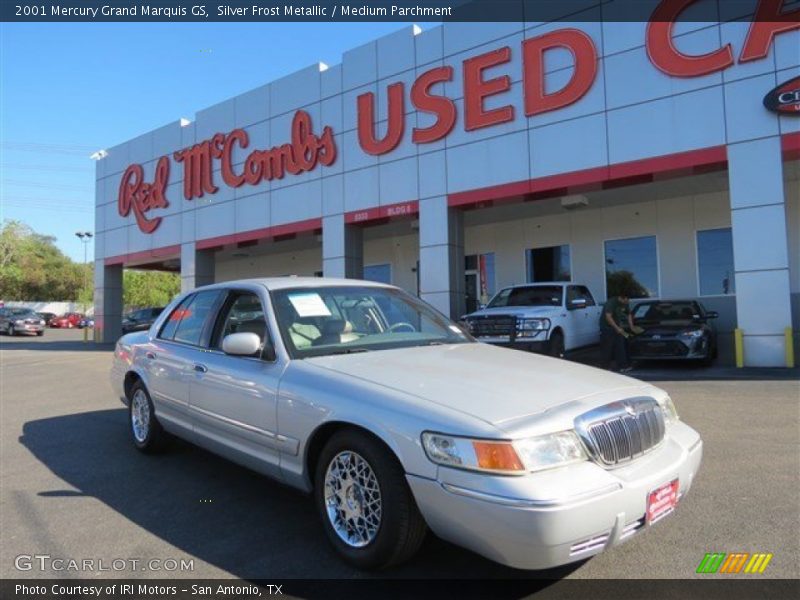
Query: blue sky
x,y
67,90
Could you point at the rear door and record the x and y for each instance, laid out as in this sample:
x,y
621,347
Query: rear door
x,y
233,399
178,346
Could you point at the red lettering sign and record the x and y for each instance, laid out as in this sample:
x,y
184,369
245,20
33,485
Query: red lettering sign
x,y
302,154
585,55
476,89
395,127
140,197
444,108
769,21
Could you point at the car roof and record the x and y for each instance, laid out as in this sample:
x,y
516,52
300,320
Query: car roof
x,y
282,283
540,284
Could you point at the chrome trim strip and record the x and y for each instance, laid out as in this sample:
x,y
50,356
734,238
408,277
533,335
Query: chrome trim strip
x,y
235,423
529,503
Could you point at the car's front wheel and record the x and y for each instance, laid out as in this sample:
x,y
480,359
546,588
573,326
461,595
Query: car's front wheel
x,y
556,344
366,506
148,435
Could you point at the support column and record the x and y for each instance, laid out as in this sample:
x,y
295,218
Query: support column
x,y
197,267
760,249
441,256
342,248
107,302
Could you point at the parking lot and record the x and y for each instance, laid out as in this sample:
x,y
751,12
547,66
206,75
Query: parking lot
x,y
73,487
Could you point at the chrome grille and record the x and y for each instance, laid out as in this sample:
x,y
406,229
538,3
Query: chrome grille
x,y
492,326
619,432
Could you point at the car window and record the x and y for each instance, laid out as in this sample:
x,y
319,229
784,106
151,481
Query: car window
x,y
245,314
316,321
543,295
168,329
580,292
193,318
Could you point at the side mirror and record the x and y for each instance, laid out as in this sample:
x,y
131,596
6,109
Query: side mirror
x,y
712,314
241,344
577,303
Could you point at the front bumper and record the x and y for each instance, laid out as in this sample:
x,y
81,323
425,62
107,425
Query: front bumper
x,y
554,517
671,348
28,328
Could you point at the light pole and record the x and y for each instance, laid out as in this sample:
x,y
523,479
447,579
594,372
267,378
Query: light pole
x,y
85,237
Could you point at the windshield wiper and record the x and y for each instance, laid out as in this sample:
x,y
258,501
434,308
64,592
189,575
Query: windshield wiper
x,y
348,351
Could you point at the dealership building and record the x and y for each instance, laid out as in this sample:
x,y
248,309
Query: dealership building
x,y
464,158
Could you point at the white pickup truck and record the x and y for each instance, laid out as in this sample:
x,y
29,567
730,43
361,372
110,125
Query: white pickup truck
x,y
543,317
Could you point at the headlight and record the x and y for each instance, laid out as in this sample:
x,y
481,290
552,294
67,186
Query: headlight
x,y
552,450
505,457
531,327
695,333
19,322
668,410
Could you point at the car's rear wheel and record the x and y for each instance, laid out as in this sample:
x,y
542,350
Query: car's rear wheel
x,y
148,435
366,506
556,345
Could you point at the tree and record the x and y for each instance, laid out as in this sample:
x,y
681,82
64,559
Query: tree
x,y
33,268
149,288
624,283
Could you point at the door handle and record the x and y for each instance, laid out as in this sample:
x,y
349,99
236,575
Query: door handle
x,y
200,368
150,355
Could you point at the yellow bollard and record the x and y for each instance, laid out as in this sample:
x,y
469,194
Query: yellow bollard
x,y
738,338
789,341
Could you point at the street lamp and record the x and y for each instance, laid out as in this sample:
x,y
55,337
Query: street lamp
x,y
85,237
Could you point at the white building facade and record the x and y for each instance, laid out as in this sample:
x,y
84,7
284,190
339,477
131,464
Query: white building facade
x,y
458,160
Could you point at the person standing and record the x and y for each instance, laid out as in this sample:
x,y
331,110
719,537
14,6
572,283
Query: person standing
x,y
616,316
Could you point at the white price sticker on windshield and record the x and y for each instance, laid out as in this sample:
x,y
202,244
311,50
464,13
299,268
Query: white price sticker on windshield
x,y
309,305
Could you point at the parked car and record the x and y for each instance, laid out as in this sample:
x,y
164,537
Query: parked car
x,y
67,321
46,316
542,317
141,319
397,421
15,321
674,329
86,322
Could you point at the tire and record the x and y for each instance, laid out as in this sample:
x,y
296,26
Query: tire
x,y
398,529
555,345
146,432
40,333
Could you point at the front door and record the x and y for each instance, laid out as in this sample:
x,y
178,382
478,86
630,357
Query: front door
x,y
172,354
233,398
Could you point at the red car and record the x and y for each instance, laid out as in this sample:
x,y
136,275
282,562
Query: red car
x,y
67,321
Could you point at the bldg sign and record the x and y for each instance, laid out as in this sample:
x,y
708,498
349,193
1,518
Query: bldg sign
x,y
785,99
307,150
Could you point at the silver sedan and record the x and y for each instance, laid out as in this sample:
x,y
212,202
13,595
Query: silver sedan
x,y
397,422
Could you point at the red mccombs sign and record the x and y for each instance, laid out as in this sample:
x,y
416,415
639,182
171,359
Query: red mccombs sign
x,y
306,150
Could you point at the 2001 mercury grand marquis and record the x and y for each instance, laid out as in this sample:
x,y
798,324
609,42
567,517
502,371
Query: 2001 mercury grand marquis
x,y
398,421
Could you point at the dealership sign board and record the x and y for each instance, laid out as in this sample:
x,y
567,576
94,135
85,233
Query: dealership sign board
x,y
307,150
785,99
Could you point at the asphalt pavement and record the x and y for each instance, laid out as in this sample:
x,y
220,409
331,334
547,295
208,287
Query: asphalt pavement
x,y
72,486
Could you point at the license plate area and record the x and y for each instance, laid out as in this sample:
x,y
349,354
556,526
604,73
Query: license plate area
x,y
662,501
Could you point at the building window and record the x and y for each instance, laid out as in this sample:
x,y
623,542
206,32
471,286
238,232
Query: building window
x,y
715,262
632,267
379,273
548,264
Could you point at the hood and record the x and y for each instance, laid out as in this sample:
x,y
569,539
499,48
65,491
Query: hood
x,y
671,328
494,384
517,311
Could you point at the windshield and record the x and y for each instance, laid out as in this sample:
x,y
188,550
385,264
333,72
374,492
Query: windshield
x,y
540,295
22,312
317,321
662,312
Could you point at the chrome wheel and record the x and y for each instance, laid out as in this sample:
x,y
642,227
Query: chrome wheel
x,y
140,416
353,499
